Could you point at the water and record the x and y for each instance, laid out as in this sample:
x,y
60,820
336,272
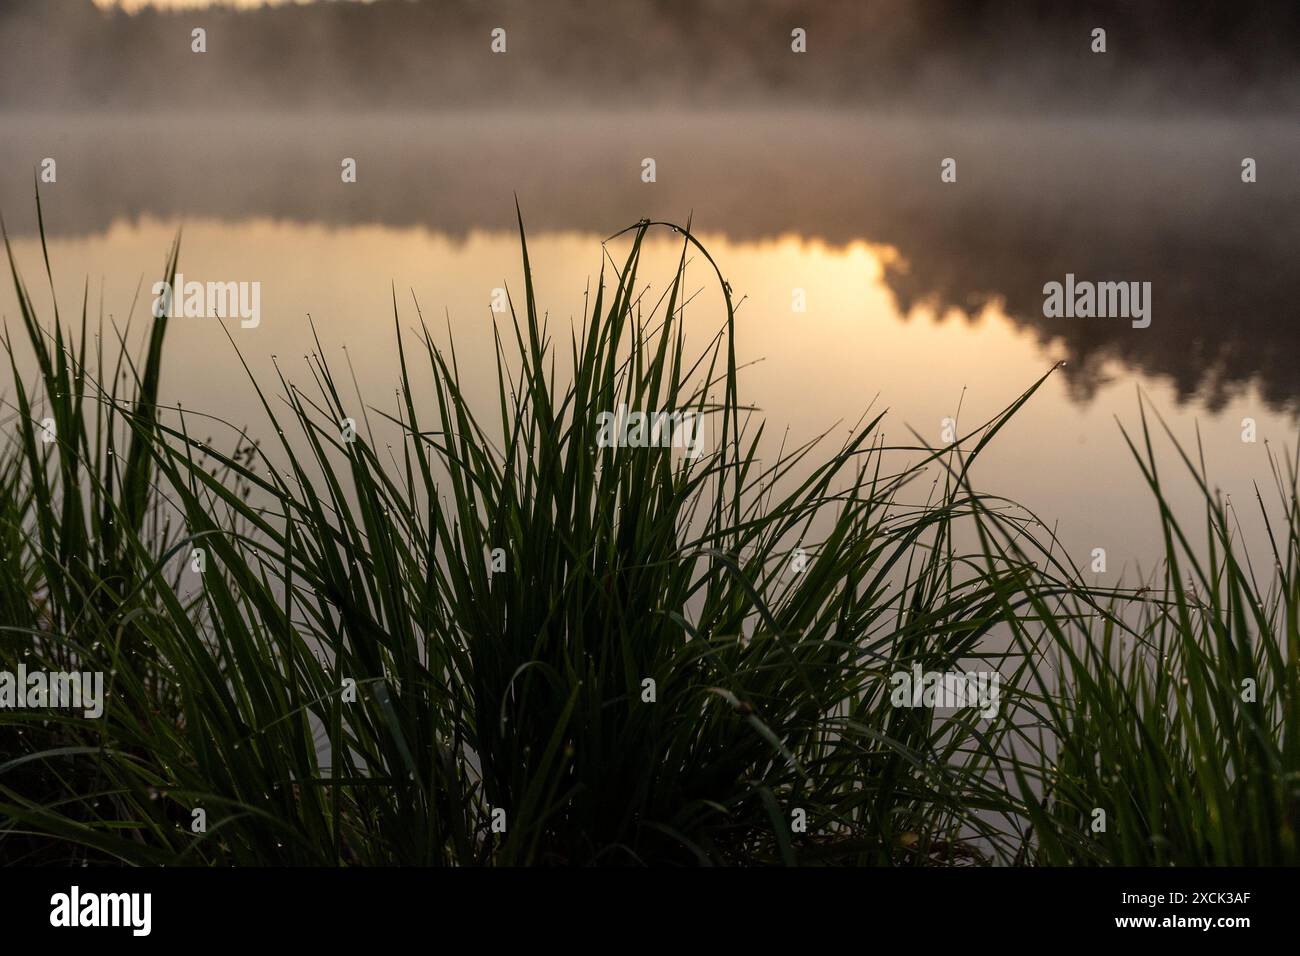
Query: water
x,y
922,296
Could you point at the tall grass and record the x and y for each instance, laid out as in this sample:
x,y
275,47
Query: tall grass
x,y
350,681
1183,727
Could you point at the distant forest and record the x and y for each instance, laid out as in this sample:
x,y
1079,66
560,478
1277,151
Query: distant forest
x,y
943,55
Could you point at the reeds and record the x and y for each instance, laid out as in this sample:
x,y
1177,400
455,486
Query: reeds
x,y
500,642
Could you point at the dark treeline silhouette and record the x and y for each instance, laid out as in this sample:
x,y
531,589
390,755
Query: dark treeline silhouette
x,y
1131,201
945,55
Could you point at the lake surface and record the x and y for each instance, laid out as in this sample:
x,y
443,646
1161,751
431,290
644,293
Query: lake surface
x,y
923,297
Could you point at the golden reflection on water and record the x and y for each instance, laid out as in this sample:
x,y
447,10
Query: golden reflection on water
x,y
806,371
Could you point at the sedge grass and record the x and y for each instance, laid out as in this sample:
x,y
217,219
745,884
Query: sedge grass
x,y
350,682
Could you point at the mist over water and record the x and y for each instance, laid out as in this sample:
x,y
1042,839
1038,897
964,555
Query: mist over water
x,y
934,56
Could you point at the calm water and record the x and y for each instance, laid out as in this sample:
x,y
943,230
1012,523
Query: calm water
x,y
922,296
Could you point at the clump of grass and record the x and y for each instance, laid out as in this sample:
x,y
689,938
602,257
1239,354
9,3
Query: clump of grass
x,y
1182,726
350,681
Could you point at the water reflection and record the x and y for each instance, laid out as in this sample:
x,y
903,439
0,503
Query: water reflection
x,y
1158,202
921,295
